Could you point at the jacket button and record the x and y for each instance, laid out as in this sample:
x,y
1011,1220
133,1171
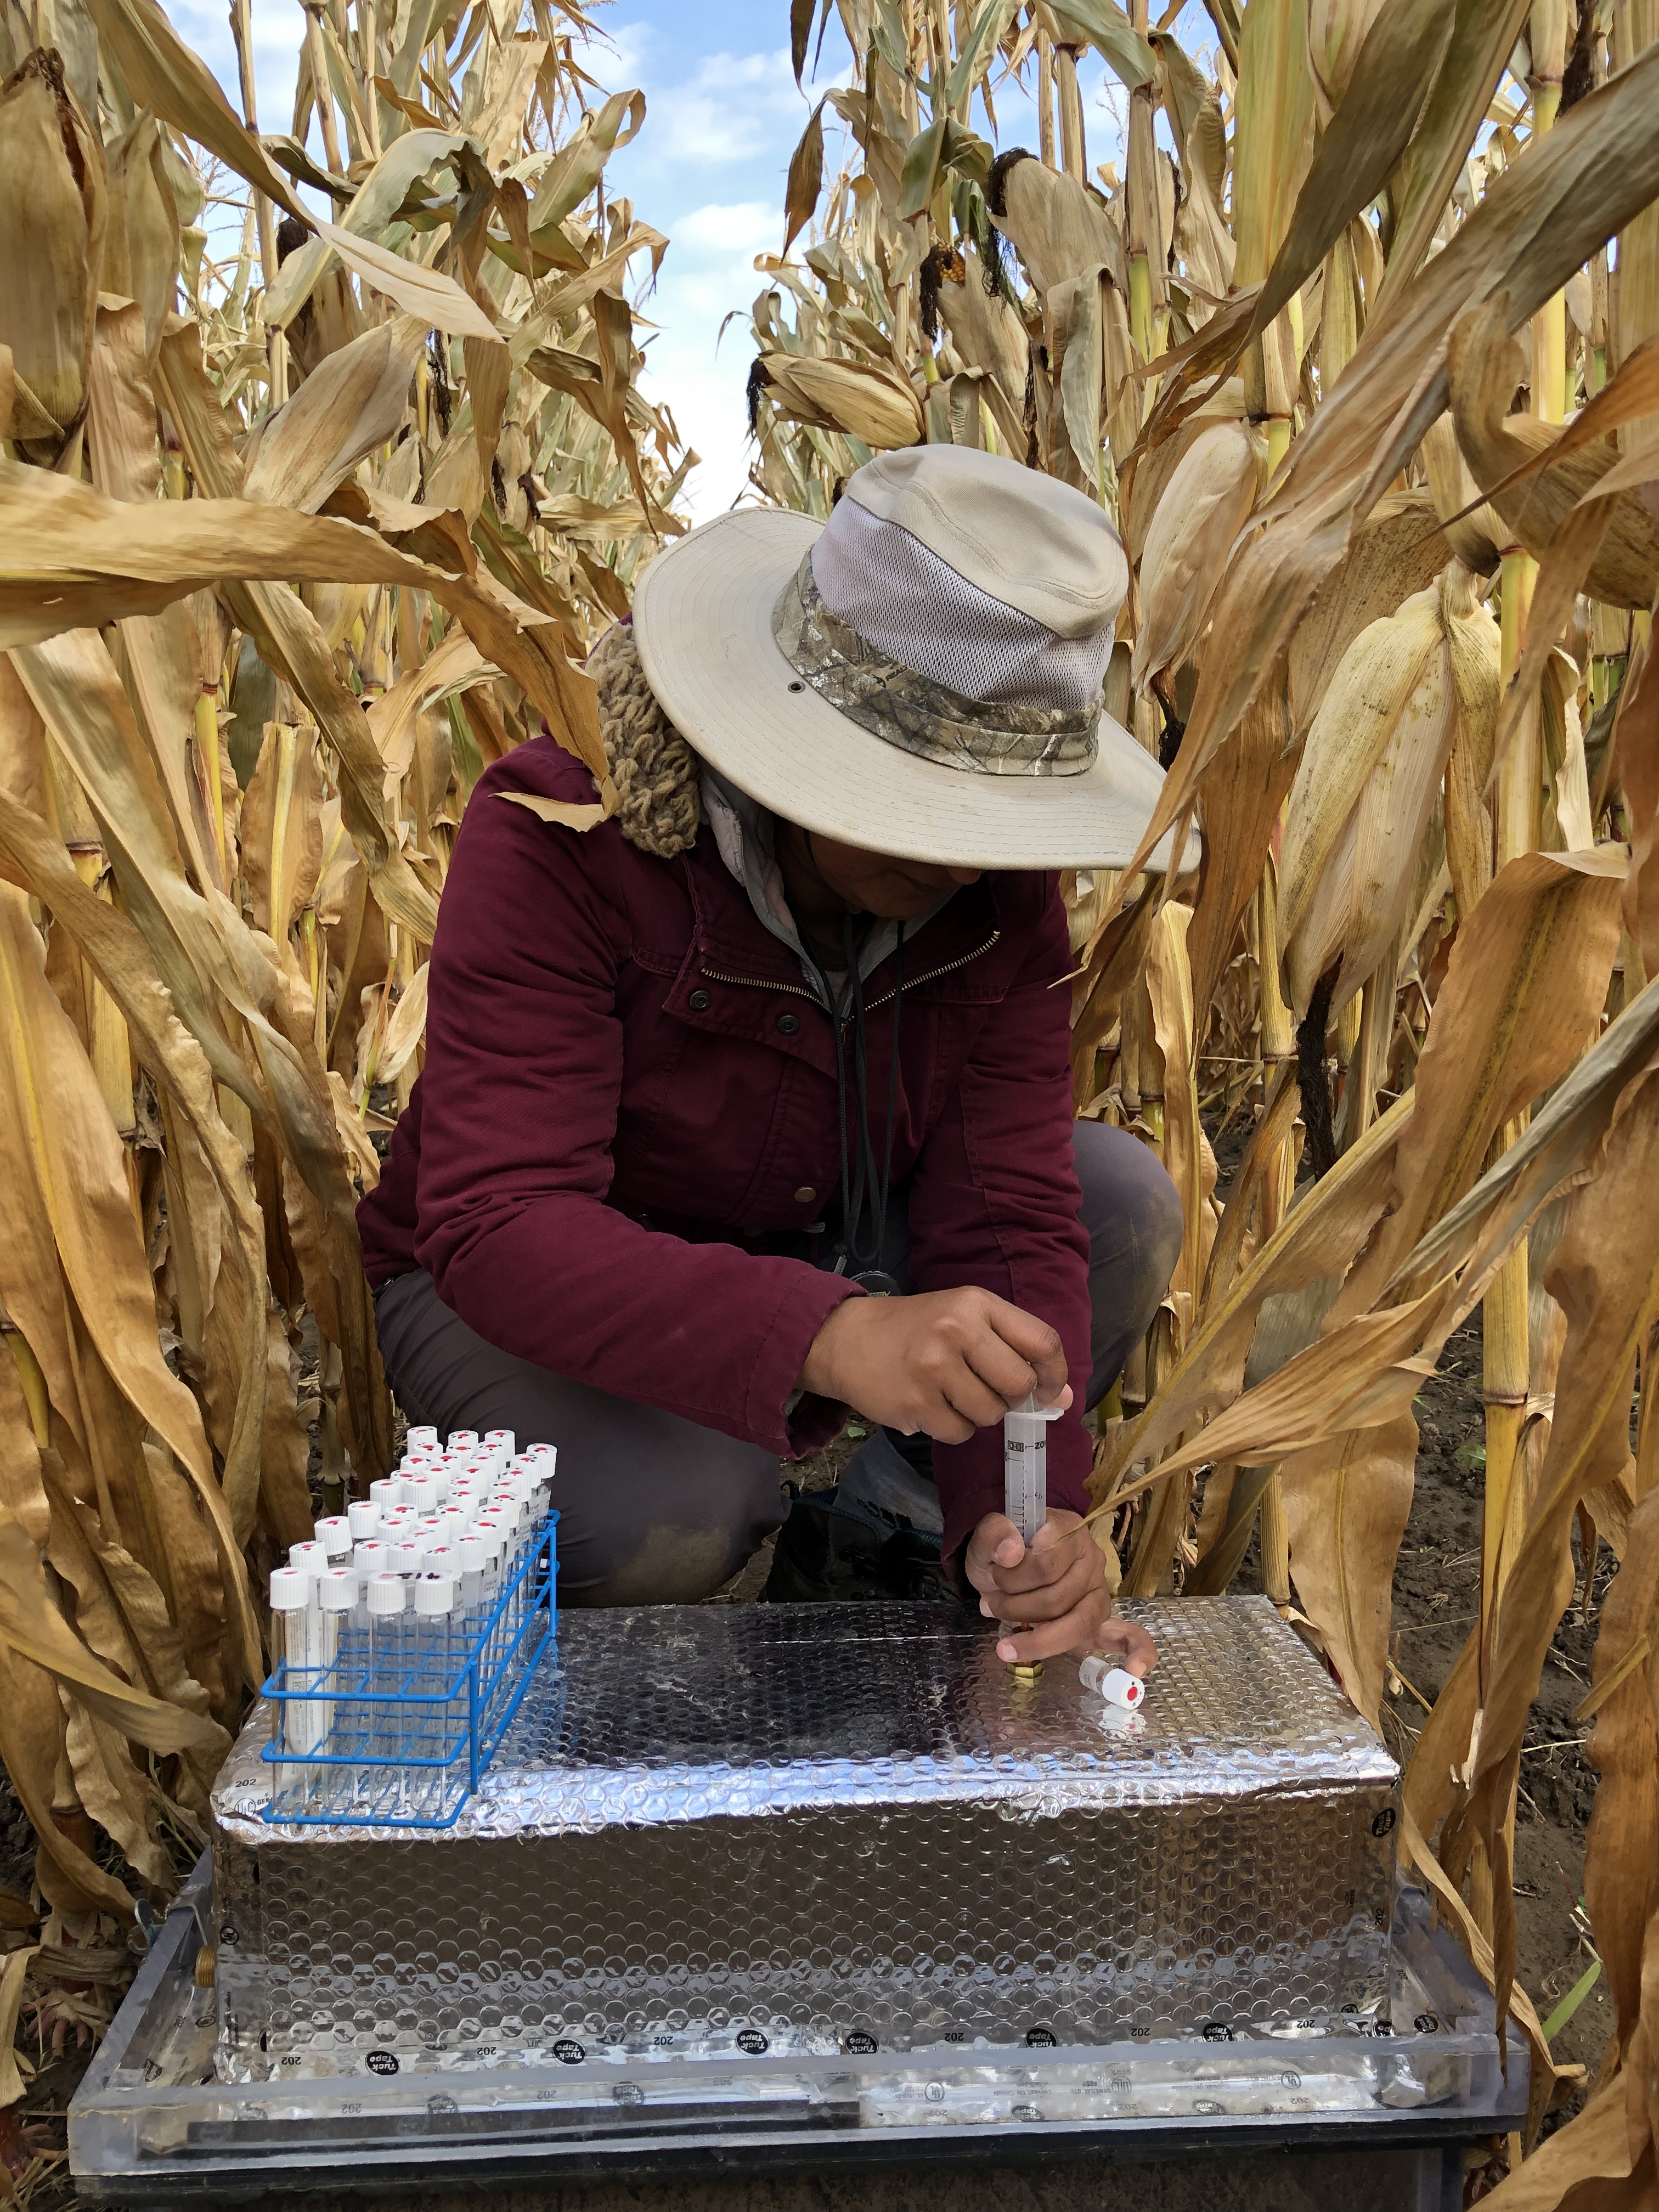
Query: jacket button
x,y
788,1024
700,1002
805,1195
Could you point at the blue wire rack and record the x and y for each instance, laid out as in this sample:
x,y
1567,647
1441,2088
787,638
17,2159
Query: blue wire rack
x,y
403,1737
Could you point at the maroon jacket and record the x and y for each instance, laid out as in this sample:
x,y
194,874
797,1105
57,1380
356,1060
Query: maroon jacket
x,y
630,1093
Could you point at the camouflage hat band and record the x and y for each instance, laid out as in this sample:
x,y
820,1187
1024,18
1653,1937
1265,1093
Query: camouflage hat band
x,y
916,714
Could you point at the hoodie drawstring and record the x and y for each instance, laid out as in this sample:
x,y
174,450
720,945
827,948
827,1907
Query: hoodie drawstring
x,y
859,1260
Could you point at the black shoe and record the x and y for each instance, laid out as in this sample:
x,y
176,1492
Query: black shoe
x,y
829,1554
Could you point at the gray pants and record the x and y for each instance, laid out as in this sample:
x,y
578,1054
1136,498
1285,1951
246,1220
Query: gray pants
x,y
656,1511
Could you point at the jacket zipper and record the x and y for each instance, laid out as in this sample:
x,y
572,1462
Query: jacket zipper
x,y
933,974
800,991
758,983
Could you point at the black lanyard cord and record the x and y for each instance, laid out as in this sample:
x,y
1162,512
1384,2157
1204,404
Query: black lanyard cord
x,y
861,1257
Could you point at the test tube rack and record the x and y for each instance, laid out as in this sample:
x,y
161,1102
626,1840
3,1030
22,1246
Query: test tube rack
x,y
401,1738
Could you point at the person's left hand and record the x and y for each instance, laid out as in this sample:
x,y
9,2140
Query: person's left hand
x,y
1055,1594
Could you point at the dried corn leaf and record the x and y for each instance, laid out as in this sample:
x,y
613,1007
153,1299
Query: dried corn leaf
x,y
162,74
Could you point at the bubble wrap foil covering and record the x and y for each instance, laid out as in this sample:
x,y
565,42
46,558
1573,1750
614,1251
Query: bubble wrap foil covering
x,y
813,1829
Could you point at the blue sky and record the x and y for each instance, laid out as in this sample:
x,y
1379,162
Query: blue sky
x,y
722,117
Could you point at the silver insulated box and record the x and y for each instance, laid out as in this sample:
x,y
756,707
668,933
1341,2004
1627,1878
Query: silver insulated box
x,y
726,1830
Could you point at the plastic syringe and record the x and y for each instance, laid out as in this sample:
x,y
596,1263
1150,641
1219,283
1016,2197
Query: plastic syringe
x,y
1025,1465
1025,1485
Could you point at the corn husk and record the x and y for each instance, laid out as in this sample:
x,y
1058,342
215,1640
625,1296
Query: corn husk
x,y
1204,506
862,402
52,239
1359,809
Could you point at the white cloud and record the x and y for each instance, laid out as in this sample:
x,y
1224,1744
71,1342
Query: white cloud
x,y
751,227
735,107
708,273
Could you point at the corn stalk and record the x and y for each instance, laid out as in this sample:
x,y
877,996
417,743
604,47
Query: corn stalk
x,y
305,523
1391,572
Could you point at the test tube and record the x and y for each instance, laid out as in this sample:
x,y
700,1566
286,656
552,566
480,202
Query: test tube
x,y
370,1560
490,1526
291,1717
488,1531
312,1559
387,1599
334,1534
1111,1682
474,1558
542,1461
337,1595
434,1607
446,1560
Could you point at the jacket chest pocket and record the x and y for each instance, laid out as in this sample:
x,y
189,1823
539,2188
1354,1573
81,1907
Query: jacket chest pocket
x,y
725,1127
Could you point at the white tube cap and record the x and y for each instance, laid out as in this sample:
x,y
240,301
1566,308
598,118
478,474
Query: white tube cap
x,y
385,1596
334,1534
462,1439
289,1589
435,1596
373,1557
423,1435
364,1518
1115,1685
475,1555
384,1492
311,1559
501,1440
337,1591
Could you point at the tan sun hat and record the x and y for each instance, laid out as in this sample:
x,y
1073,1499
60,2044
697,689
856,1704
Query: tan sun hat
x,y
921,674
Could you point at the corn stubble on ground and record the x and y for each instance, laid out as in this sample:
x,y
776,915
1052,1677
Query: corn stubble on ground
x,y
303,524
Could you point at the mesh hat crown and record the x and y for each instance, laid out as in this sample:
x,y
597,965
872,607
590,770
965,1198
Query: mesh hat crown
x,y
961,607
1029,544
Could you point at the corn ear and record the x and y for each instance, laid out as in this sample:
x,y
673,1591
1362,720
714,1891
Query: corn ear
x,y
52,239
1204,506
863,402
1360,804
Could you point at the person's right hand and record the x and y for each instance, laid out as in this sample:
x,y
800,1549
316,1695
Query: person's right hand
x,y
949,1362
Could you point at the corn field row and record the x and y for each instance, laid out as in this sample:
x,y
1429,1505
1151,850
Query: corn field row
x,y
1315,348
306,522
1359,351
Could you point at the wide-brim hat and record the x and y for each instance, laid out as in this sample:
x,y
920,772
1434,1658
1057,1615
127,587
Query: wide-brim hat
x,y
921,675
